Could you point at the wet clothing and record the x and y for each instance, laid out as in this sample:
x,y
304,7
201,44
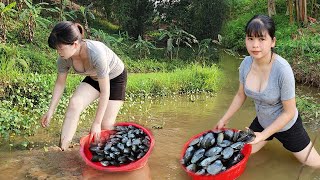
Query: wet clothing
x,y
294,139
117,85
280,87
102,62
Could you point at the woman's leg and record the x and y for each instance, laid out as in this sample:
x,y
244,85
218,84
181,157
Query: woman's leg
x,y
313,159
258,146
111,113
81,98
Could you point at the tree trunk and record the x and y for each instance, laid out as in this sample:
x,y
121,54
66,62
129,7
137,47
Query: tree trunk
x,y
298,11
305,16
271,7
3,30
290,9
301,6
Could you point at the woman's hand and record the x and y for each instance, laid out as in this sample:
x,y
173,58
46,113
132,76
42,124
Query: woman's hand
x,y
46,118
95,132
259,137
221,124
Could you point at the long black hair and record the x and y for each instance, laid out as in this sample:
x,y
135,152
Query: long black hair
x,y
65,32
258,24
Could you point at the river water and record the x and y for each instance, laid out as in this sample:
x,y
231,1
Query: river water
x,y
173,121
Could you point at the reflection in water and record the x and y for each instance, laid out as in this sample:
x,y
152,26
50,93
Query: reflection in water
x,y
140,174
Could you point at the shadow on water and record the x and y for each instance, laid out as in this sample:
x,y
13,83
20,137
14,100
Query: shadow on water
x,y
179,119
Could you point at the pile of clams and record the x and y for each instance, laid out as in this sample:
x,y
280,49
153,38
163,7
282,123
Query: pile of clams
x,y
125,145
215,151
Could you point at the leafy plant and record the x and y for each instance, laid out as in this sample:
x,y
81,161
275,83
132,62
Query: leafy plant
x,y
178,36
86,13
203,48
5,13
64,15
110,41
144,47
31,17
11,59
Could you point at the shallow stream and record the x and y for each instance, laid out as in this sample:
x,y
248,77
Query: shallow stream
x,y
173,121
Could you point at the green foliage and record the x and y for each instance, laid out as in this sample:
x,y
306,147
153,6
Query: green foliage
x,y
11,59
86,13
308,108
190,80
13,123
104,25
112,42
203,19
240,12
5,13
40,61
304,45
152,65
291,41
31,18
233,33
203,49
64,14
26,58
22,103
206,18
143,46
236,7
133,16
176,36
25,99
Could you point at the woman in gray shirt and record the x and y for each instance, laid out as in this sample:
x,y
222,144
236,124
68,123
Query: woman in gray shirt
x,y
105,79
268,79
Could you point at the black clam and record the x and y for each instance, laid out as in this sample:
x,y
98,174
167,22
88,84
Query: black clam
x,y
215,151
246,136
215,167
127,144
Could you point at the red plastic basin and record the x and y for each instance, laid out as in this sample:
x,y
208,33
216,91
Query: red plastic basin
x,y
230,174
86,154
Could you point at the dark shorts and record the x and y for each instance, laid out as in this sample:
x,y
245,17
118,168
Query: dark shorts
x,y
117,86
294,139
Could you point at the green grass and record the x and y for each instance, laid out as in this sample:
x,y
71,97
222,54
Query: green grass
x,y
190,80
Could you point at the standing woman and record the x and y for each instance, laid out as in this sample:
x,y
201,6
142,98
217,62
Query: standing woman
x,y
268,79
105,79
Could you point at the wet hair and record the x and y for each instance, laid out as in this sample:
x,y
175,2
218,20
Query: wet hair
x,y
258,24
65,32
